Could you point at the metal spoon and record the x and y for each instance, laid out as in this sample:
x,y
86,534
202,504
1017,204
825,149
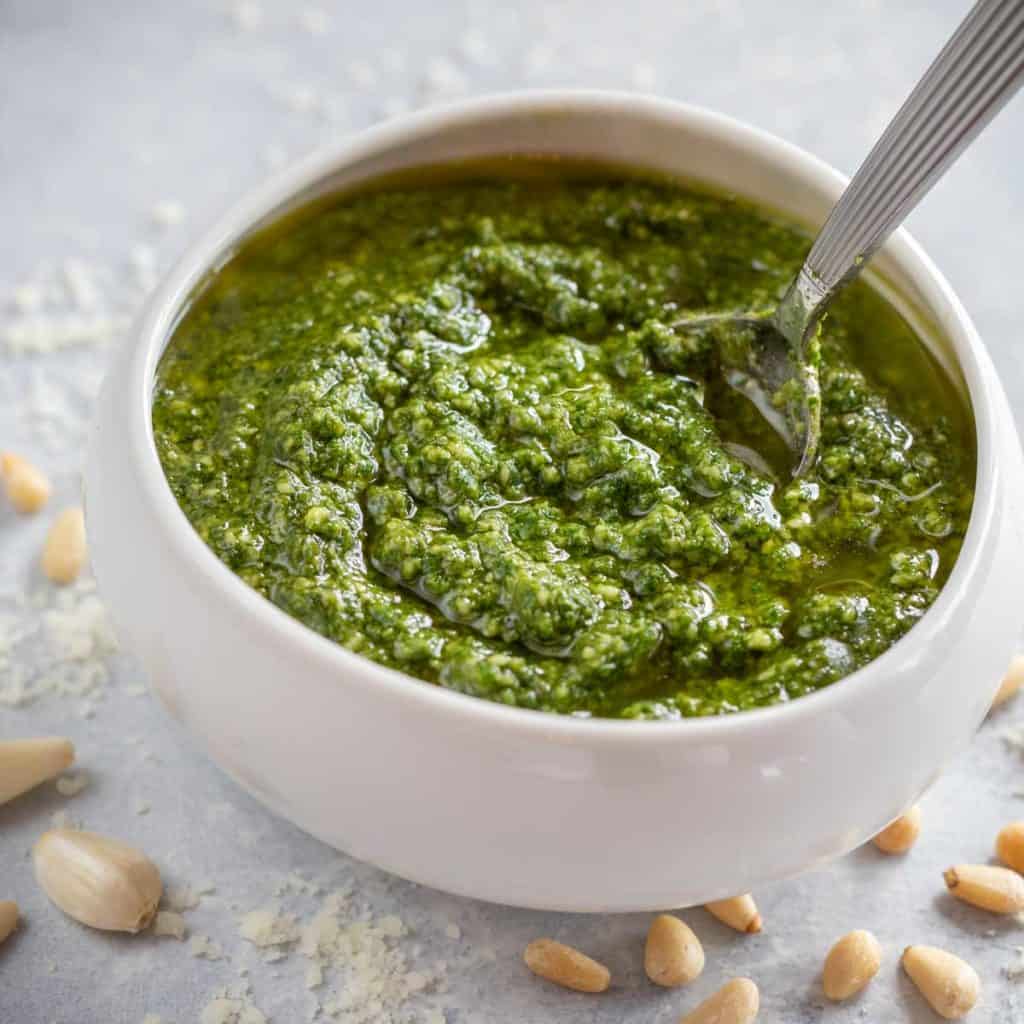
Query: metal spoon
x,y
772,358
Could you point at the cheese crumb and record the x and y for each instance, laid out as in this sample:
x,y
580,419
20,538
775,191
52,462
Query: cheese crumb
x,y
203,947
61,819
184,897
231,1009
72,785
1015,971
268,928
169,923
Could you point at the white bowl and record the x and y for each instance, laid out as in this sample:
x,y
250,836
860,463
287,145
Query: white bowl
x,y
523,807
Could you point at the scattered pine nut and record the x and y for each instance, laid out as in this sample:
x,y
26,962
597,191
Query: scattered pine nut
x,y
740,913
566,966
8,918
673,955
64,550
1012,681
101,882
987,886
24,764
949,985
851,963
901,835
736,1002
1010,846
27,489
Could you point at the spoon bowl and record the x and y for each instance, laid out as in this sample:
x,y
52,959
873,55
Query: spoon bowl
x,y
968,83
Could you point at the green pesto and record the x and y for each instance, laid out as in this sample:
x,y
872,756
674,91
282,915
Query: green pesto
x,y
453,426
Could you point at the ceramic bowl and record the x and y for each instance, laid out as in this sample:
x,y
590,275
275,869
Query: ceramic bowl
x,y
523,807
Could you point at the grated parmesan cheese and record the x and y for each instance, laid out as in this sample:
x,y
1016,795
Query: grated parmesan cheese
x,y
72,785
228,1008
202,947
185,897
61,819
1015,971
267,927
57,641
169,923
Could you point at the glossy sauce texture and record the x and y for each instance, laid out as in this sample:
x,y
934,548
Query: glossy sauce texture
x,y
455,427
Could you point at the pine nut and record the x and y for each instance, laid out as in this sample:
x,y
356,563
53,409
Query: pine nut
x,y
851,963
27,489
740,913
950,986
1012,681
673,955
566,966
1010,846
8,918
987,886
901,835
736,1002
64,550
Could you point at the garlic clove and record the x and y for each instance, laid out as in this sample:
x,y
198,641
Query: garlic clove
x,y
101,882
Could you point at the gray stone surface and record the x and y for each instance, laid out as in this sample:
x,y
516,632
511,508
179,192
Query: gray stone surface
x,y
107,108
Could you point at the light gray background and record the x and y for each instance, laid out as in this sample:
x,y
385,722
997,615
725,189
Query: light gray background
x,y
108,107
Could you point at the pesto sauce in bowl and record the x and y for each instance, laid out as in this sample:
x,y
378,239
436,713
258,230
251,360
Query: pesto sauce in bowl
x,y
452,426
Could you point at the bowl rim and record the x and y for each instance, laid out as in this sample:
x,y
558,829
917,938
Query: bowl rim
x,y
214,247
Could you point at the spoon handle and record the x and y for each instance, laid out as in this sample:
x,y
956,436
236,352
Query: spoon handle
x,y
976,73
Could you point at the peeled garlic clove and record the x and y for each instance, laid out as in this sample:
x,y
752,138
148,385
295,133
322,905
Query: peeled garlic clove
x,y
26,763
8,918
98,881
740,913
950,986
